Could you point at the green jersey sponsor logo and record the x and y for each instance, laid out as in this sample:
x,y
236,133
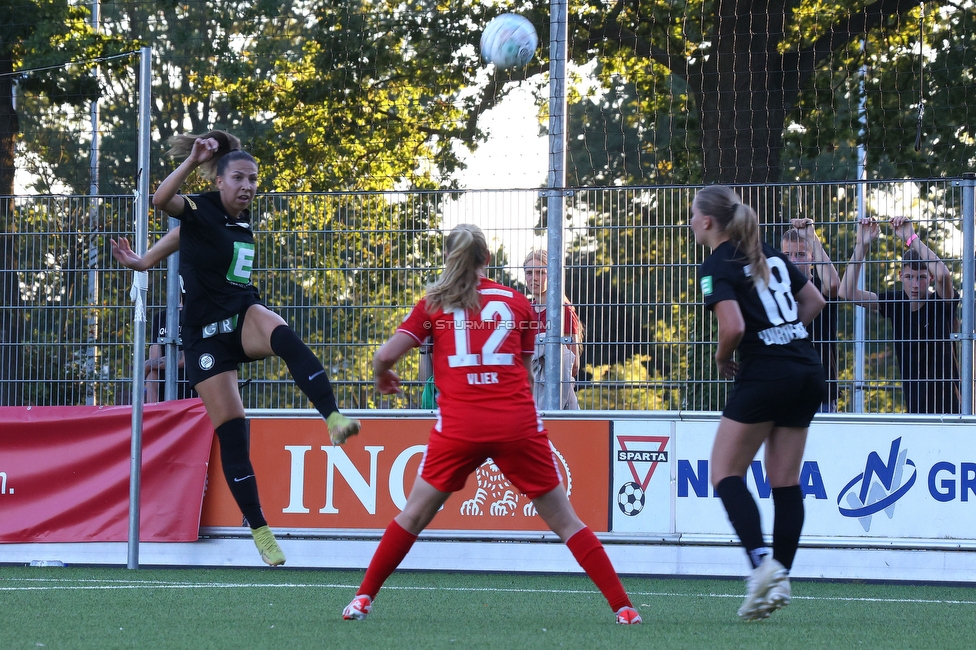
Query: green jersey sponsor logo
x,y
706,285
242,263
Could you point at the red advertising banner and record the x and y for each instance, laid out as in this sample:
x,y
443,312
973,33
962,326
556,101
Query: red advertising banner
x,y
305,482
64,472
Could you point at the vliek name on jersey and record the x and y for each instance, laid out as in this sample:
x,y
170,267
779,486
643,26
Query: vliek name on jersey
x,y
783,334
482,378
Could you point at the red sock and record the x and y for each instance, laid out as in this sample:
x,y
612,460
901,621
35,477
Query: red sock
x,y
590,554
394,546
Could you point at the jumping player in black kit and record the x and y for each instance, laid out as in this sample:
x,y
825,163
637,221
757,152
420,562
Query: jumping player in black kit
x,y
225,323
763,304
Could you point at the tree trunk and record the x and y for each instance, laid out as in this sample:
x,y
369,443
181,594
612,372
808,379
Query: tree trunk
x,y
740,94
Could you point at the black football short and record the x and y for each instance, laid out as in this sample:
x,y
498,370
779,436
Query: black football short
x,y
784,392
214,349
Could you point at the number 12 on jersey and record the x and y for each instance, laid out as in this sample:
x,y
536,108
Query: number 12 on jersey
x,y
494,311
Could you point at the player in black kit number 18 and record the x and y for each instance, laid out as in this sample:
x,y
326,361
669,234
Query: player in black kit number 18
x,y
764,305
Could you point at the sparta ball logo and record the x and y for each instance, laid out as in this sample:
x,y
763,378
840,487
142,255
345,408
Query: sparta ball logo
x,y
206,362
630,499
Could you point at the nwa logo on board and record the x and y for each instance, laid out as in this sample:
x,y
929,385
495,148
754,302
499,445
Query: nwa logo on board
x,y
879,486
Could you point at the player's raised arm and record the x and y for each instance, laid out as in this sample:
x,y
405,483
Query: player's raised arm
x,y
166,197
166,246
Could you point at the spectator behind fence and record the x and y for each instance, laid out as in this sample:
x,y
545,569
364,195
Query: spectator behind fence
x,y
428,398
156,363
923,320
537,281
803,247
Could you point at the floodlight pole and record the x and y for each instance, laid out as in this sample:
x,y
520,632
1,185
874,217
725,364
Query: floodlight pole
x,y
555,203
140,286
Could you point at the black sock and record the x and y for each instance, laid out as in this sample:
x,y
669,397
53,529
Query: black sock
x,y
787,523
238,470
305,368
744,515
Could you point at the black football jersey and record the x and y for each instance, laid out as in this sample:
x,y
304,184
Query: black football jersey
x,y
216,259
772,324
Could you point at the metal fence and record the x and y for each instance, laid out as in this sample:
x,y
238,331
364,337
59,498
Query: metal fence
x,y
344,269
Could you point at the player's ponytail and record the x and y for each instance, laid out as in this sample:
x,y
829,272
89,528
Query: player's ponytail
x,y
744,230
737,220
228,150
466,252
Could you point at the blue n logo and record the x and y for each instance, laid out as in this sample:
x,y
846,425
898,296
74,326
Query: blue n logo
x,y
875,467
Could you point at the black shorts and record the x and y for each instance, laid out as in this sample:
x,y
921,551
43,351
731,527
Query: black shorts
x,y
215,348
786,393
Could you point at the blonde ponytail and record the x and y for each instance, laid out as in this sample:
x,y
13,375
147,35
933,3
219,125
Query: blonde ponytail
x,y
744,231
466,252
740,222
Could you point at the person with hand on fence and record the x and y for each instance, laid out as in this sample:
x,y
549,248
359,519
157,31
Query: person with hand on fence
x,y
537,281
922,319
763,305
225,322
156,363
802,246
483,337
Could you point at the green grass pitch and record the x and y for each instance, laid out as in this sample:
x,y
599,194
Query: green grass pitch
x,y
250,609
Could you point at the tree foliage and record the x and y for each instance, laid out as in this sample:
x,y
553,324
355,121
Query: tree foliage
x,y
30,34
705,90
737,91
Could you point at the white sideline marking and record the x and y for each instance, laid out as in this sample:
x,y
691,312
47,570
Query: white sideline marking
x,y
72,584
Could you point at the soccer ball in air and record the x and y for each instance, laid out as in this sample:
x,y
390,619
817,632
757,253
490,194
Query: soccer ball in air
x,y
509,41
630,499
